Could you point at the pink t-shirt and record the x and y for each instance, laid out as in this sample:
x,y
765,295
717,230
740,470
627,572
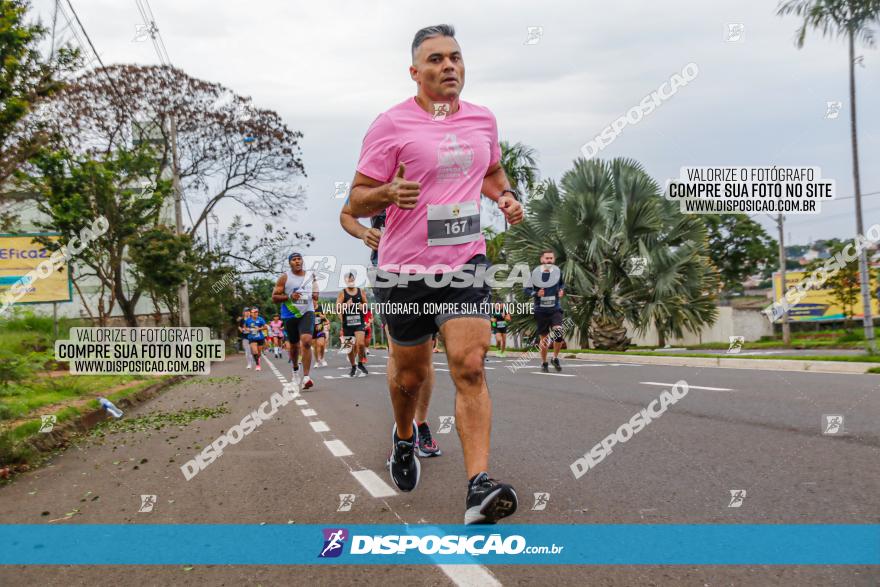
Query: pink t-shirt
x,y
449,157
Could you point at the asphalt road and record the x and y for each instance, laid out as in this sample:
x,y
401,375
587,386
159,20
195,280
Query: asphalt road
x,y
736,429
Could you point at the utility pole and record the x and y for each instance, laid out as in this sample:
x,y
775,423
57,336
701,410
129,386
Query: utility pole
x,y
183,290
786,329
864,276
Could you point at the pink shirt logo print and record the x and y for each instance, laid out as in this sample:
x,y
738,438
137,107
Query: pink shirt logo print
x,y
449,158
454,158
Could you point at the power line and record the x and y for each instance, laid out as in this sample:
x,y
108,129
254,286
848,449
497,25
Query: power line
x,y
877,193
853,196
103,68
146,11
158,33
73,29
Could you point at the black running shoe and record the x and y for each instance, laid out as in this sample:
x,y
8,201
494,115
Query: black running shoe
x,y
488,500
544,368
353,372
363,368
427,446
404,464
556,364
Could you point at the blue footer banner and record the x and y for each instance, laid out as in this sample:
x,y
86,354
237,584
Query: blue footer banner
x,y
588,544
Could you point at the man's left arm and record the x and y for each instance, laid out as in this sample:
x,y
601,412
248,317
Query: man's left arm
x,y
494,183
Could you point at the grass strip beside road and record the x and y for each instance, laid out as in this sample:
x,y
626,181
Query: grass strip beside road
x,y
841,358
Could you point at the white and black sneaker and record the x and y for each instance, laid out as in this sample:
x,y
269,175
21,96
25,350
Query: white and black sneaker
x,y
488,500
404,464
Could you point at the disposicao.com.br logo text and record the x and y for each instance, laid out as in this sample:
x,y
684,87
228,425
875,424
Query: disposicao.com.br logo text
x,y
430,544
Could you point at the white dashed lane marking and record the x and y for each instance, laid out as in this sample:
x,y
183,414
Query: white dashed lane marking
x,y
373,483
689,386
320,426
337,448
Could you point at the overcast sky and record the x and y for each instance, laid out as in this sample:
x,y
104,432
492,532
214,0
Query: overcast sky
x,y
328,68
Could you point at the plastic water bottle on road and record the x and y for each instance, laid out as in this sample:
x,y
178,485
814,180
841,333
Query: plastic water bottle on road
x,y
110,408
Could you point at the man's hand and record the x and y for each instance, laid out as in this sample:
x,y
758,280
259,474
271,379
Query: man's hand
x,y
511,208
404,194
371,238
294,296
541,292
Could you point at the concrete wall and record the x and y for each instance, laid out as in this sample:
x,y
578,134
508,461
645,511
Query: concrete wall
x,y
751,324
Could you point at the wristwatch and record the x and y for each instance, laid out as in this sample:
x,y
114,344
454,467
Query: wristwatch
x,y
511,192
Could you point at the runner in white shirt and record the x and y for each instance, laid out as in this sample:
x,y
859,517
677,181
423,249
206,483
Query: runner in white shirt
x,y
297,292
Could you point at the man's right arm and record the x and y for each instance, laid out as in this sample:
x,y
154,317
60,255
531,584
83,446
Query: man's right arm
x,y
369,196
278,294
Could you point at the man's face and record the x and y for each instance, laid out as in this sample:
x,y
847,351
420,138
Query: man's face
x,y
548,259
296,264
438,68
255,314
349,281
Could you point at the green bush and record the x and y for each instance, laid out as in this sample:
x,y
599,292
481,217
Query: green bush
x,y
27,322
13,368
854,336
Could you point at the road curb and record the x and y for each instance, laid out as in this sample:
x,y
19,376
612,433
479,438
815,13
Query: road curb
x,y
753,364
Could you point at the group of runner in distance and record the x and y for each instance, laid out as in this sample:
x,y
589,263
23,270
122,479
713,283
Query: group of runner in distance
x,y
419,179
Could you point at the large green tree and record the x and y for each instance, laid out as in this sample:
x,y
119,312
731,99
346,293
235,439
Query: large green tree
x,y
853,20
74,190
602,216
26,80
739,247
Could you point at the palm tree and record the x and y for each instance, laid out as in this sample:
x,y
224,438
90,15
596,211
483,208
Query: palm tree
x,y
601,216
520,163
852,19
494,246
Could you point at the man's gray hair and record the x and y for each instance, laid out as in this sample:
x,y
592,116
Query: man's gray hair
x,y
440,30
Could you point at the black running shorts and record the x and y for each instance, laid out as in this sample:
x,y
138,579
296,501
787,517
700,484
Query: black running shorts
x,y
546,321
296,327
350,325
411,328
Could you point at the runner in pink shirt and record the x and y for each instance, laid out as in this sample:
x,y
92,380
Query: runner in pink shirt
x,y
425,162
